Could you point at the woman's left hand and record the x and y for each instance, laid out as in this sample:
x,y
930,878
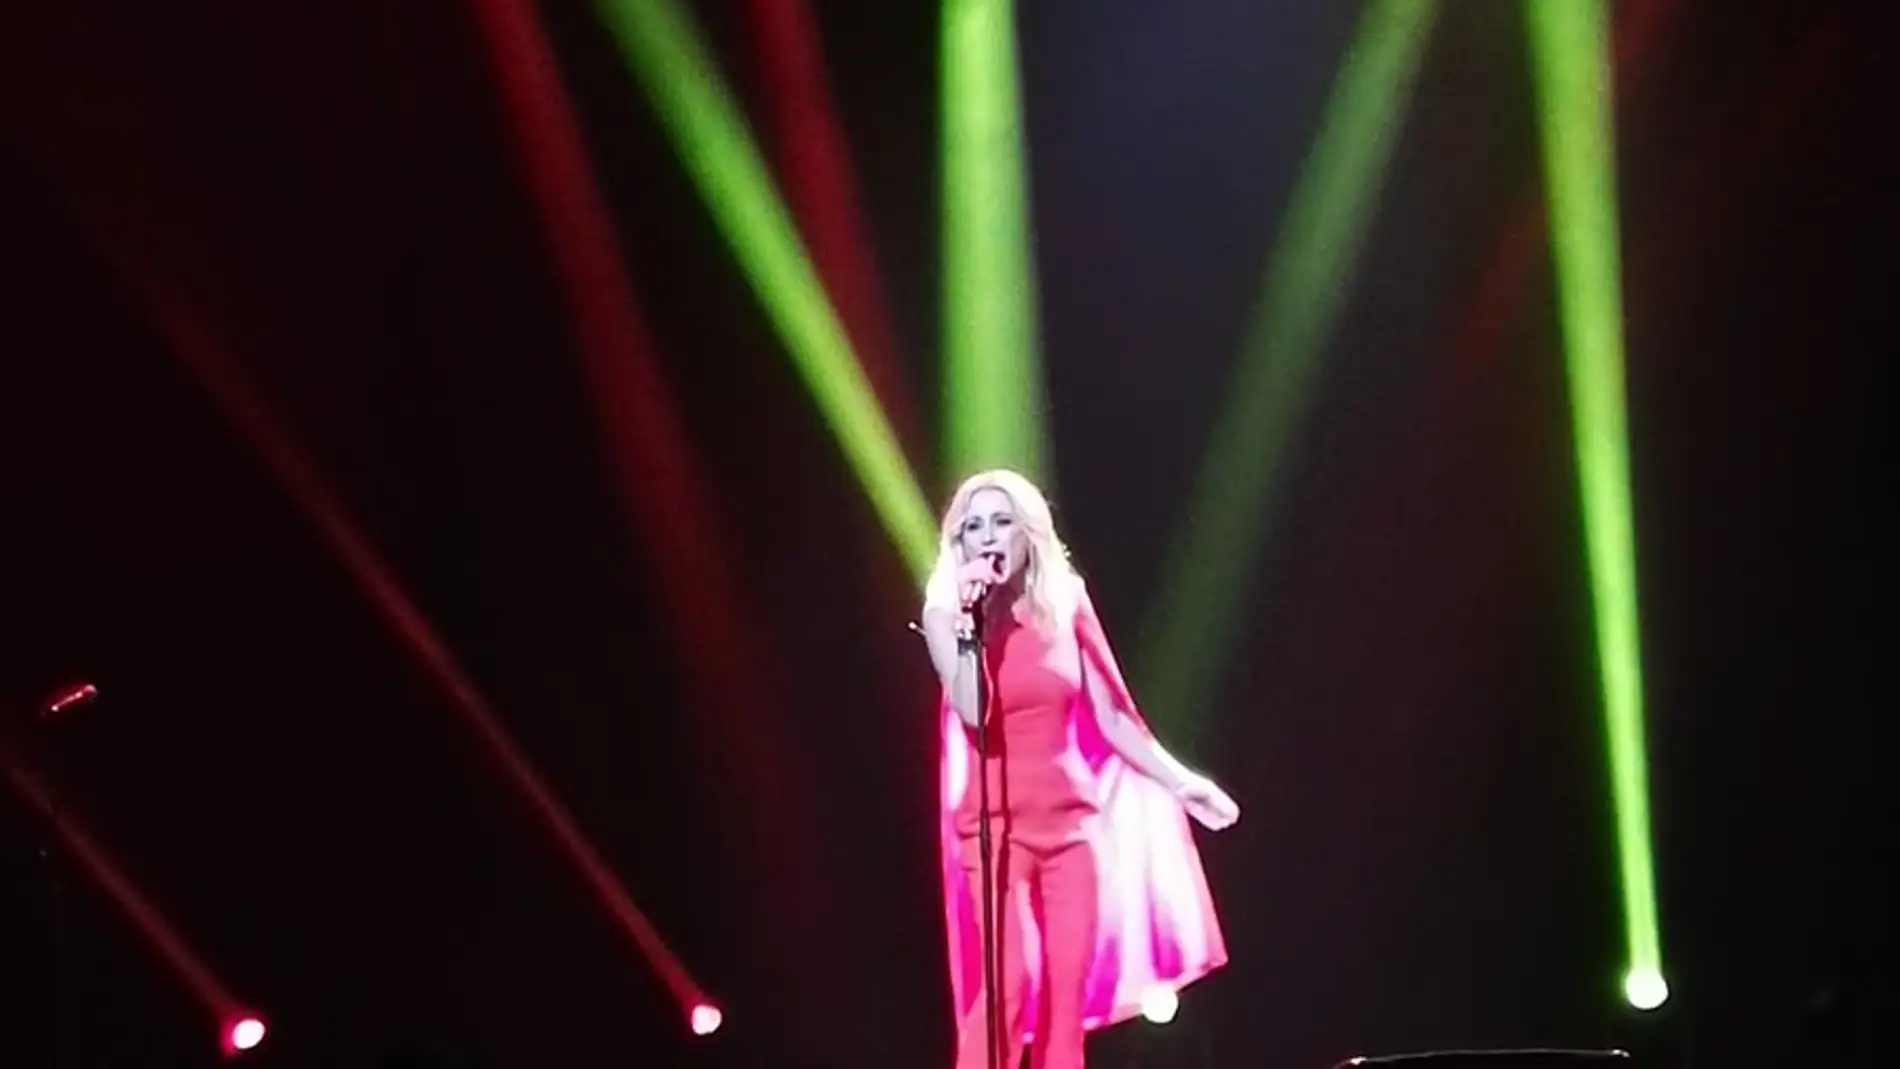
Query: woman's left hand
x,y
1207,803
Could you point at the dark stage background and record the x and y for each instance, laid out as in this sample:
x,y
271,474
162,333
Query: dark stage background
x,y
1410,722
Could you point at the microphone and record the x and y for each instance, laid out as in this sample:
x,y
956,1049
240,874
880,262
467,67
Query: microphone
x,y
983,588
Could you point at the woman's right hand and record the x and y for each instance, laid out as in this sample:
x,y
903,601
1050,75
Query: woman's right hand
x,y
975,578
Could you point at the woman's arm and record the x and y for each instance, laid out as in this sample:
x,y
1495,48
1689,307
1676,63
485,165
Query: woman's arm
x,y
956,666
1202,797
1134,745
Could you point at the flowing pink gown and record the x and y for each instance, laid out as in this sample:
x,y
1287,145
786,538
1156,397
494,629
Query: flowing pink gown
x,y
1061,792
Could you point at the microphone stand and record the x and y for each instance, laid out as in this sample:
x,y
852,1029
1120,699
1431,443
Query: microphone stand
x,y
989,906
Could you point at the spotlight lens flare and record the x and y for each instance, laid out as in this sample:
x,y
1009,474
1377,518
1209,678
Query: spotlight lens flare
x,y
1160,1004
1645,988
706,1019
243,1033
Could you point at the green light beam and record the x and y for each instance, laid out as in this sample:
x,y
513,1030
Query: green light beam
x,y
1571,61
662,48
1190,633
992,388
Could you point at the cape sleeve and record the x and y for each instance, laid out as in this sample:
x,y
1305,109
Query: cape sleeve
x,y
1156,926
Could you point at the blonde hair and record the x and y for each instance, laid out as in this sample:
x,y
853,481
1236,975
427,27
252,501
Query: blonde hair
x,y
1049,583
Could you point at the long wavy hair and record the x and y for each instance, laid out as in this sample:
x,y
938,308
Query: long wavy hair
x,y
1049,583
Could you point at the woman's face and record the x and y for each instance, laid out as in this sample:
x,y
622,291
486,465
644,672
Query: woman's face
x,y
992,526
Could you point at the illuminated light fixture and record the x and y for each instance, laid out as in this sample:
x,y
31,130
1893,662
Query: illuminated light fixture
x,y
706,1019
1645,988
242,1033
1160,1004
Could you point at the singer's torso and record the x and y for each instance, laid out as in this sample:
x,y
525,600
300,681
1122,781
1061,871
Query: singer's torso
x,y
1036,684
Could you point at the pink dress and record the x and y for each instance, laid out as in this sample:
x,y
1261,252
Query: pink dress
x,y
1155,925
1036,685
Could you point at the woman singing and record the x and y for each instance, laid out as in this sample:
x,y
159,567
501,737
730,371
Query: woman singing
x,y
1096,881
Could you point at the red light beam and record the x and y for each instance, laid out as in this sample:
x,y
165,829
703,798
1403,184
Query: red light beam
x,y
814,164
145,916
161,240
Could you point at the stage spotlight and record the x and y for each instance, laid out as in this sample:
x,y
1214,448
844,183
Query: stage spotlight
x,y
1159,1004
243,1033
706,1019
1645,988
66,698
